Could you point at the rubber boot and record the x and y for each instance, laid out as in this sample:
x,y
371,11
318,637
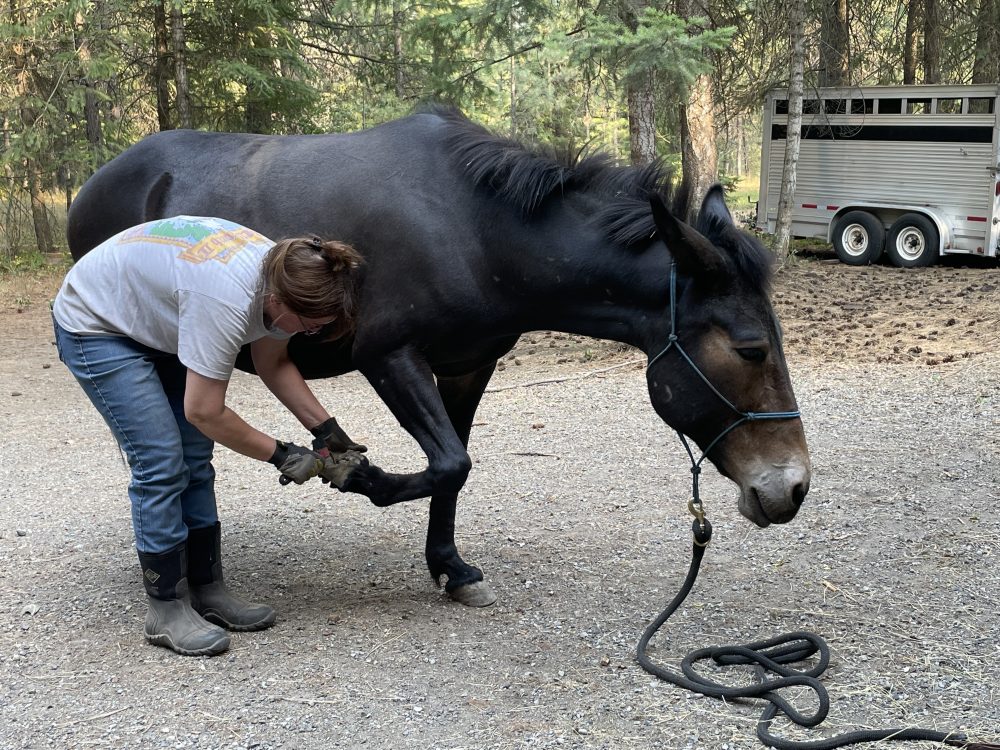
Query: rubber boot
x,y
171,622
209,595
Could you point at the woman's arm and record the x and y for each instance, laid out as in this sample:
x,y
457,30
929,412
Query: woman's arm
x,y
205,408
283,379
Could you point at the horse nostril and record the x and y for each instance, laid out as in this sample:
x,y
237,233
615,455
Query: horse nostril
x,y
799,494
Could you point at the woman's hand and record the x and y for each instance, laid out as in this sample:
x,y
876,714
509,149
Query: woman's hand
x,y
331,436
296,464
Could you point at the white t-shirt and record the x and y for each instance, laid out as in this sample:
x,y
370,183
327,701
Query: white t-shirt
x,y
188,285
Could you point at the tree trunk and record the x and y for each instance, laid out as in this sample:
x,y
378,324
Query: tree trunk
x,y
932,42
43,232
835,45
512,88
740,141
640,97
911,44
180,65
23,90
986,68
783,230
91,109
699,155
641,119
161,69
397,47
92,116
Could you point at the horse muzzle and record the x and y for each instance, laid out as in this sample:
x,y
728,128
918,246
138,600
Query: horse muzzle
x,y
774,494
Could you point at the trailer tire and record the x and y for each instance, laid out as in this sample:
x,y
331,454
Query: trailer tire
x,y
858,238
913,242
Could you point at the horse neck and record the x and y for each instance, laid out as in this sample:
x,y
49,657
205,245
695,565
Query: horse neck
x,y
564,275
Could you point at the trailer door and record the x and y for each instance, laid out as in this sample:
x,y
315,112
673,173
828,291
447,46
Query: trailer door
x,y
992,248
993,233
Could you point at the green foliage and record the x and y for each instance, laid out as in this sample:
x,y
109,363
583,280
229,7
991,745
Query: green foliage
x,y
78,77
673,48
246,68
32,262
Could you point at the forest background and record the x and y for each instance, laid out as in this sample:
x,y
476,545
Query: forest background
x,y
677,80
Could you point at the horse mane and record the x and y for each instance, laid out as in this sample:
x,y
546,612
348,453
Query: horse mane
x,y
752,261
526,176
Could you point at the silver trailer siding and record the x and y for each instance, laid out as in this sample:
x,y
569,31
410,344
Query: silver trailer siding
x,y
908,170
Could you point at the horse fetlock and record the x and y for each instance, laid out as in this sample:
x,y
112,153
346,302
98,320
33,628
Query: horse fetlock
x,y
365,480
462,576
441,559
450,565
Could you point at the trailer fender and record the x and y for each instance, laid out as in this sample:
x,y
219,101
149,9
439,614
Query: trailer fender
x,y
887,213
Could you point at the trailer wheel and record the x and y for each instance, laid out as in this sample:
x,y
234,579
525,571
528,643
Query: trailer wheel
x,y
858,237
913,242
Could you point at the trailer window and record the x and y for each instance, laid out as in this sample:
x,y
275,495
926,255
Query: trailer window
x,y
890,106
781,106
835,106
980,106
862,106
949,106
810,106
918,106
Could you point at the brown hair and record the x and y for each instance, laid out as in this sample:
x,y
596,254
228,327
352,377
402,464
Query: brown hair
x,y
315,278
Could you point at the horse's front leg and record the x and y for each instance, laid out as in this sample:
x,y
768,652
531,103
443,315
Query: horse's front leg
x,y
461,396
404,381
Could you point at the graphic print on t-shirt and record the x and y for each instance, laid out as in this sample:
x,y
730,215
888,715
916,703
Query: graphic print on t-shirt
x,y
199,241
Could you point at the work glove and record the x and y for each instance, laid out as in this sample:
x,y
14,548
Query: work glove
x,y
296,464
329,435
338,467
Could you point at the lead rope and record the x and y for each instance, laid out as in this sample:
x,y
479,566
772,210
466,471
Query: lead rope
x,y
774,655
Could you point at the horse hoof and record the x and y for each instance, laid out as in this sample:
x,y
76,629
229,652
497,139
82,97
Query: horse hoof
x,y
478,594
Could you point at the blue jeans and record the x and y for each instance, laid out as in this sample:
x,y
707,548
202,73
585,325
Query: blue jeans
x,y
140,393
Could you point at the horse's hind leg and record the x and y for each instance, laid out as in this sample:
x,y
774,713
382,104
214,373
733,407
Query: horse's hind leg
x,y
461,396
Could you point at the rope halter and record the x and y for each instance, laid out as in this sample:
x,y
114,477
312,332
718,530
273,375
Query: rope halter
x,y
673,343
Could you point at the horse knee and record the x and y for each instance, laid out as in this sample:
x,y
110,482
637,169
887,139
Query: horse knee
x,y
449,475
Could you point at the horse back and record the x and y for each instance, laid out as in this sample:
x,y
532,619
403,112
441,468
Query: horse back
x,y
335,185
390,191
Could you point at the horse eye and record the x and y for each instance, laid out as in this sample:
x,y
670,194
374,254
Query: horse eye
x,y
752,353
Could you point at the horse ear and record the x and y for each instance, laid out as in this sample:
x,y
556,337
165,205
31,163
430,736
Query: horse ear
x,y
714,211
694,255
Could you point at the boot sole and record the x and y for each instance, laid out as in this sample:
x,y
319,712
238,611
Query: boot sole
x,y
214,649
216,619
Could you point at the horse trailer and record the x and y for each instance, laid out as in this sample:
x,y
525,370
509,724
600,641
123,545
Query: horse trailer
x,y
911,171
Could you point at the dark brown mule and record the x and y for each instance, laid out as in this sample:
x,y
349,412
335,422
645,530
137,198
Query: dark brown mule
x,y
471,240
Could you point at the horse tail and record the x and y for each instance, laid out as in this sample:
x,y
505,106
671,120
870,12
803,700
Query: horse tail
x,y
126,191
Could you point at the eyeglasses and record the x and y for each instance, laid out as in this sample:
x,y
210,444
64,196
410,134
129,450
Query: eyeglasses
x,y
308,330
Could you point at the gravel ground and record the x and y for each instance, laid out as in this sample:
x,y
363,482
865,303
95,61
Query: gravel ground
x,y
576,512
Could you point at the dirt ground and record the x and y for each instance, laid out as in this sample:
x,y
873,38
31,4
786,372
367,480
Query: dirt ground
x,y
576,512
